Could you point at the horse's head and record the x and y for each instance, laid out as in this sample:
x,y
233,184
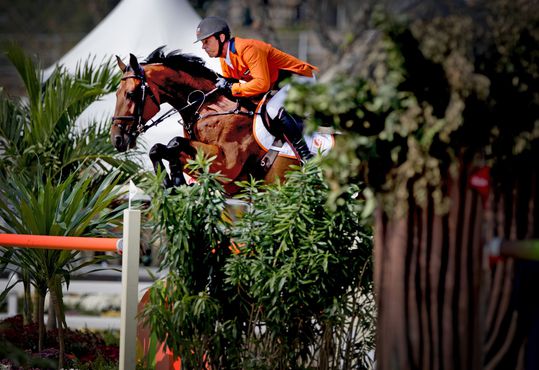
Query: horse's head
x,y
136,103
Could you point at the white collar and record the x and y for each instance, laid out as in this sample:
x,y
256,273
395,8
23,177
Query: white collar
x,y
227,57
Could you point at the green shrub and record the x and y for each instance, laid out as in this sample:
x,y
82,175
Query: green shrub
x,y
289,295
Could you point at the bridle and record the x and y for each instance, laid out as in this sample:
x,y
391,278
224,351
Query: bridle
x,y
138,127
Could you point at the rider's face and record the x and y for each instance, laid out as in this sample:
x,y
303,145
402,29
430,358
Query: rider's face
x,y
211,46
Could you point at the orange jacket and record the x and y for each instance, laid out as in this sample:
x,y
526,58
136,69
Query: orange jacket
x,y
258,63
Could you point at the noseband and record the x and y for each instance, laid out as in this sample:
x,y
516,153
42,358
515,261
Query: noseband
x,y
138,126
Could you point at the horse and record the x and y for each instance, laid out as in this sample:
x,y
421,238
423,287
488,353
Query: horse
x,y
213,122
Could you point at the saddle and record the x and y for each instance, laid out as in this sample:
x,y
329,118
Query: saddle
x,y
270,139
269,158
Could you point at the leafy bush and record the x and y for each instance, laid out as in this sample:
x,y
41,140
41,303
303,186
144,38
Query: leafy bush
x,y
276,289
435,92
296,262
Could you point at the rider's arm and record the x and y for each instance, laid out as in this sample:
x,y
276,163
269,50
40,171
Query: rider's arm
x,y
256,59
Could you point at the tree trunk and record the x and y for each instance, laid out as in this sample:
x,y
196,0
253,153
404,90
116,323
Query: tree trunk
x,y
56,303
512,315
428,272
440,304
40,317
27,301
51,318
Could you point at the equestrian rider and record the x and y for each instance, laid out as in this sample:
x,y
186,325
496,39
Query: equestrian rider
x,y
261,67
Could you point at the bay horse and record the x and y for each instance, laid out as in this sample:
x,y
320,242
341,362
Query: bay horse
x,y
212,122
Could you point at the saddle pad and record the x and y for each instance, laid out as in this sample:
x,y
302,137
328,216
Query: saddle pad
x,y
315,142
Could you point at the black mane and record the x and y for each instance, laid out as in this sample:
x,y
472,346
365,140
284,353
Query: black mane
x,y
189,63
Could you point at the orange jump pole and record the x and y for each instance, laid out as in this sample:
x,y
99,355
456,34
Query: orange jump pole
x,y
61,242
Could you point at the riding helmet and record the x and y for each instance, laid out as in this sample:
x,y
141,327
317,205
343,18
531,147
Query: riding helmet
x,y
210,26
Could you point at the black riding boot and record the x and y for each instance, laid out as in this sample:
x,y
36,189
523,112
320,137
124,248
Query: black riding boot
x,y
293,133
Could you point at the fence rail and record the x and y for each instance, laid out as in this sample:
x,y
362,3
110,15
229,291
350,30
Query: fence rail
x,y
61,242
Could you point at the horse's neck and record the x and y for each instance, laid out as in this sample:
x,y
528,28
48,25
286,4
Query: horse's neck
x,y
175,90
179,90
181,96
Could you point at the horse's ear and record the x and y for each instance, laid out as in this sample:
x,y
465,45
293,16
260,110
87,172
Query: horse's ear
x,y
121,64
135,66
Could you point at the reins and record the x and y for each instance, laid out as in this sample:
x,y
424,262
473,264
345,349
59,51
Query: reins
x,y
189,125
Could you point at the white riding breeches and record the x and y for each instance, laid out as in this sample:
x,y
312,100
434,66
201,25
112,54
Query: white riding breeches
x,y
277,101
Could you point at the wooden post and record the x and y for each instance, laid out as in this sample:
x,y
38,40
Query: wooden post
x,y
130,266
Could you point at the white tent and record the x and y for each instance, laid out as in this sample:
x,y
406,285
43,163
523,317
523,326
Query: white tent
x,y
138,27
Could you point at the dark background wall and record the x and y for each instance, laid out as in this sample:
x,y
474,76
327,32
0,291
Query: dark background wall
x,y
45,29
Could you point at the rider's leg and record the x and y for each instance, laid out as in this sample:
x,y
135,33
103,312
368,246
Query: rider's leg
x,y
292,131
289,127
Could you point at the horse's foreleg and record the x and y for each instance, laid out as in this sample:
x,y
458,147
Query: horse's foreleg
x,y
174,148
157,153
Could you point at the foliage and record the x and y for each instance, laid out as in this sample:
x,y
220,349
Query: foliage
x,y
55,179
296,265
283,295
84,349
69,208
39,133
451,89
64,209
186,303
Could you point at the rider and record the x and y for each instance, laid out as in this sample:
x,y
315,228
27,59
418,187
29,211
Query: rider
x,y
262,67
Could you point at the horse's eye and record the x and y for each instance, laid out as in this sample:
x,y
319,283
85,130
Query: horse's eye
x,y
130,95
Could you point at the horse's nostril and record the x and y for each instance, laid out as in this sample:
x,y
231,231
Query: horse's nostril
x,y
118,140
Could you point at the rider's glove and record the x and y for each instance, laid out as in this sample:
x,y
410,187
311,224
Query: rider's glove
x,y
223,84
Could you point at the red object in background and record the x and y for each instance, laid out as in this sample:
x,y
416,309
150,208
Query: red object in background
x,y
480,181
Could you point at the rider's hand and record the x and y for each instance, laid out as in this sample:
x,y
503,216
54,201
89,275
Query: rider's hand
x,y
223,84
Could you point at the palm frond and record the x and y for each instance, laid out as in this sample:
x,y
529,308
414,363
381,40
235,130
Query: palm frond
x,y
29,72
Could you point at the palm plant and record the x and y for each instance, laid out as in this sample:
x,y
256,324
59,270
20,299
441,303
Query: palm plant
x,y
39,131
72,207
55,178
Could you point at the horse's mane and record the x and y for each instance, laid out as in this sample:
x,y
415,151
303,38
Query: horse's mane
x,y
189,63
